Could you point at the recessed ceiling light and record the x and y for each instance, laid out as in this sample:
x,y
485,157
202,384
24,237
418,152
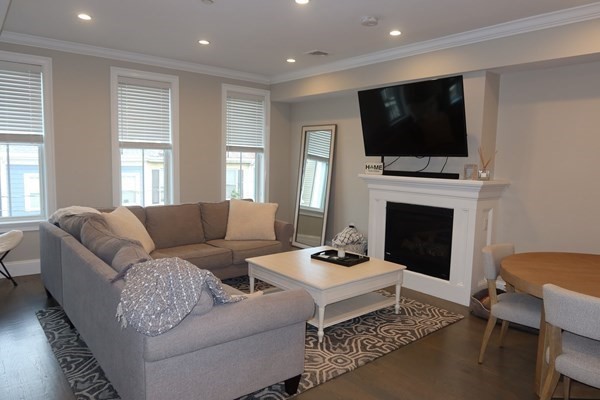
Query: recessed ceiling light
x,y
84,16
291,60
301,1
203,42
395,33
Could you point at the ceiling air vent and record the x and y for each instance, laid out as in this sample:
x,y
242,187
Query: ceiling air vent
x,y
317,53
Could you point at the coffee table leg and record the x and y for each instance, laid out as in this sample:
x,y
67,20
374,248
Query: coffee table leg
x,y
251,280
321,332
397,305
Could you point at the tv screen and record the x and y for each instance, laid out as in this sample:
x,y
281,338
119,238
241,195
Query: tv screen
x,y
415,119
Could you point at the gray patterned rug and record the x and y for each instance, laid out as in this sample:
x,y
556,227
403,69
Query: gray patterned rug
x,y
346,346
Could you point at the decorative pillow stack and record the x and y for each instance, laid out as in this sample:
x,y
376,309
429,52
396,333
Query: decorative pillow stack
x,y
251,221
124,223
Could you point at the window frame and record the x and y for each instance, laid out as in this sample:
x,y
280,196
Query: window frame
x,y
47,174
173,82
226,90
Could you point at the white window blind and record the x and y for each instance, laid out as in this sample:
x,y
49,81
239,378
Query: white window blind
x,y
144,115
21,106
23,185
145,131
319,143
245,122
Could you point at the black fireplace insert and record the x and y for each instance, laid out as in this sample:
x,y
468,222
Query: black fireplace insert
x,y
419,237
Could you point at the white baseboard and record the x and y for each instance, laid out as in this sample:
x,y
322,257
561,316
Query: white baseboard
x,y
21,268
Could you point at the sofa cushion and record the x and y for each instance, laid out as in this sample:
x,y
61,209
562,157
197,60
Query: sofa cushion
x,y
205,304
128,255
139,212
214,219
251,221
72,223
242,249
201,255
102,241
174,225
124,223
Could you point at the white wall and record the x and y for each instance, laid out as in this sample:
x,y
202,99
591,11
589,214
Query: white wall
x,y
548,145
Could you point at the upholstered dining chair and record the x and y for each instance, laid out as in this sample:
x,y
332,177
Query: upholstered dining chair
x,y
9,241
572,342
519,308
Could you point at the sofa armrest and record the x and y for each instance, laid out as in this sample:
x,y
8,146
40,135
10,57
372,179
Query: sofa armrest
x,y
283,233
230,322
51,259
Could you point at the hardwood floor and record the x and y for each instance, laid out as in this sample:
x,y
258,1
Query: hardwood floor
x,y
442,365
28,368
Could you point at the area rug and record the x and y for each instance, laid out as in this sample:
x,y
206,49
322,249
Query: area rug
x,y
346,346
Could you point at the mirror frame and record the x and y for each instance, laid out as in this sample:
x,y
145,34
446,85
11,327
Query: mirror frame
x,y
305,130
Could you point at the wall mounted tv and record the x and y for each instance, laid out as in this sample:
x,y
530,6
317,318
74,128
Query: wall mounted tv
x,y
424,118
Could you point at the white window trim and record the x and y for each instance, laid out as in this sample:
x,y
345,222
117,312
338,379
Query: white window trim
x,y
115,73
226,88
47,167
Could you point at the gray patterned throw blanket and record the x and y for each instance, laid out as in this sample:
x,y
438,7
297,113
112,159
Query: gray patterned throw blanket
x,y
158,294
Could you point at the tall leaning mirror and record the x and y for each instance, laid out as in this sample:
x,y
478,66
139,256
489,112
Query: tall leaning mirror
x,y
314,182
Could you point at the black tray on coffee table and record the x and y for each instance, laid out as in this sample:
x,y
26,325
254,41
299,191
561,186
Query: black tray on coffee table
x,y
331,256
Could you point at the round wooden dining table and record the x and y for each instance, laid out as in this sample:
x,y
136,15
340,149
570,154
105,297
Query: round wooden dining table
x,y
528,272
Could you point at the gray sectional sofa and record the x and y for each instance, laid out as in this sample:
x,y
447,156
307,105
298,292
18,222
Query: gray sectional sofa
x,y
216,352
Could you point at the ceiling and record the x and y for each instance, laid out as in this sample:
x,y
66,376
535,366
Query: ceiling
x,y
253,38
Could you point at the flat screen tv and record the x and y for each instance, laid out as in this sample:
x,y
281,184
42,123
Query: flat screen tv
x,y
424,118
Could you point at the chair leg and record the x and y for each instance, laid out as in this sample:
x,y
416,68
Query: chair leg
x,y
486,336
5,272
549,384
503,330
566,387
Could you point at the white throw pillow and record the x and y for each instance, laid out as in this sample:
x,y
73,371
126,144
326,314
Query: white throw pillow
x,y
251,221
124,223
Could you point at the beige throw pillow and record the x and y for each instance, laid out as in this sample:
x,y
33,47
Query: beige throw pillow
x,y
251,221
124,223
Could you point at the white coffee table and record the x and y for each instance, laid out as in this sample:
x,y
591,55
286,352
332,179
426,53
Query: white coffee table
x,y
347,292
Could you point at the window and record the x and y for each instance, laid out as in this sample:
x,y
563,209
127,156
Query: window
x,y
316,171
246,114
26,161
145,115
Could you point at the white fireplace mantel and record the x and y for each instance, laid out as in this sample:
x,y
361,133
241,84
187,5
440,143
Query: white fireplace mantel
x,y
474,203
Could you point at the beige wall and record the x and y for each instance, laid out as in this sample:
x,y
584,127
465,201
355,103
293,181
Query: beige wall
x,y
544,124
548,145
543,120
81,89
349,195
556,45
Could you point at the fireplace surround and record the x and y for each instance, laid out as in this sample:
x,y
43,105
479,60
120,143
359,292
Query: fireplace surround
x,y
474,206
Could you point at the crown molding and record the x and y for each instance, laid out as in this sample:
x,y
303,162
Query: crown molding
x,y
525,25
512,28
78,48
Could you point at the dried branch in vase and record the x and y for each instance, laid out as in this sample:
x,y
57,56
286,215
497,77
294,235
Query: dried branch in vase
x,y
484,163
